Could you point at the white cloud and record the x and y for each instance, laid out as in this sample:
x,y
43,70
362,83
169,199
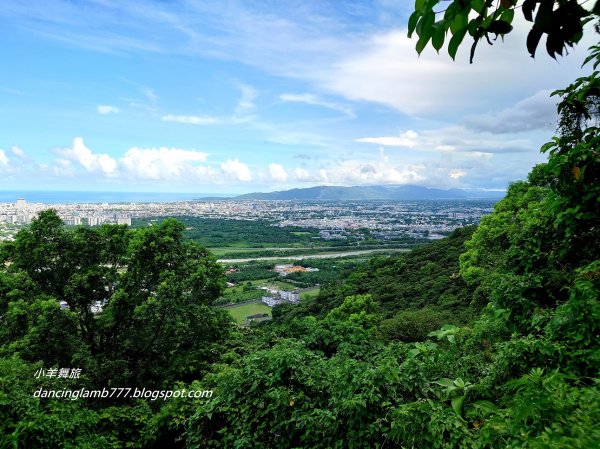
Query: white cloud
x,y
190,119
87,159
387,70
454,139
457,173
236,170
149,94
302,174
406,139
535,112
458,139
18,151
447,148
278,173
3,159
162,163
342,52
383,156
316,101
246,101
353,172
105,109
479,155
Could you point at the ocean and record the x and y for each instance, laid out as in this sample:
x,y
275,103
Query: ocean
x,y
56,197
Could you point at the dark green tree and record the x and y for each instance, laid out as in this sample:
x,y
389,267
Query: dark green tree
x,y
138,301
561,21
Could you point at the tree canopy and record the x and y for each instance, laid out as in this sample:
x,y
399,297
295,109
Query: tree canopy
x,y
560,21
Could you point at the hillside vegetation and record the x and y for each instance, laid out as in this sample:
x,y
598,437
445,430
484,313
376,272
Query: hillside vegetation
x,y
487,339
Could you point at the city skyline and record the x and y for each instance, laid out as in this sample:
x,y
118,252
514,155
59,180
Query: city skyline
x,y
236,97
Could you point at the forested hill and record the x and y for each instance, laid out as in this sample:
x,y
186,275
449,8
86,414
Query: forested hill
x,y
420,290
391,192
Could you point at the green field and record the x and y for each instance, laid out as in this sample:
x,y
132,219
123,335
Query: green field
x,y
239,313
312,293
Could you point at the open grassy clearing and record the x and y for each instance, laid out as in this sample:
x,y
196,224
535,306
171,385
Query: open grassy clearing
x,y
239,313
310,293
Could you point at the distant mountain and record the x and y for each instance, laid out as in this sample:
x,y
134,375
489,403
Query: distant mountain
x,y
389,192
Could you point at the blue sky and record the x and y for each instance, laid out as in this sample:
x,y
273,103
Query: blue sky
x,y
240,96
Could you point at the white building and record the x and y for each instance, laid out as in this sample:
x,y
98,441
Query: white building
x,y
124,220
271,301
290,296
281,296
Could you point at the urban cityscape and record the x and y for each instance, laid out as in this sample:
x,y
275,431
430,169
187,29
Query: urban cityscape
x,y
335,220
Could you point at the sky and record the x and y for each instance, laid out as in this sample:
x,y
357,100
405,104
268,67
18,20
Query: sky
x,y
241,96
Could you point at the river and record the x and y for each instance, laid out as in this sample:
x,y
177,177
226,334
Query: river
x,y
317,256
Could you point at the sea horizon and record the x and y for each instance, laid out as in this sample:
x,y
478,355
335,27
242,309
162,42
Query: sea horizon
x,y
68,196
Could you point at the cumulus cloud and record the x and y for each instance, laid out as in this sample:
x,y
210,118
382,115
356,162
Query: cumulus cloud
x,y
535,112
149,164
190,119
353,172
105,109
82,155
235,170
302,174
161,163
278,173
406,139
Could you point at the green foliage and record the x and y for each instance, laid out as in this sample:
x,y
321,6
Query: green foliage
x,y
40,330
214,232
414,325
424,277
360,309
561,21
523,374
155,326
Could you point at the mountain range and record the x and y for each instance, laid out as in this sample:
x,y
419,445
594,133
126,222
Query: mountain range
x,y
387,192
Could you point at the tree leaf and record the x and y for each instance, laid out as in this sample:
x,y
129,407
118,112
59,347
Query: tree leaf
x,y
437,39
455,42
422,42
412,22
543,18
459,383
445,382
419,4
528,7
508,15
413,353
486,406
461,20
533,39
500,27
457,403
473,47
